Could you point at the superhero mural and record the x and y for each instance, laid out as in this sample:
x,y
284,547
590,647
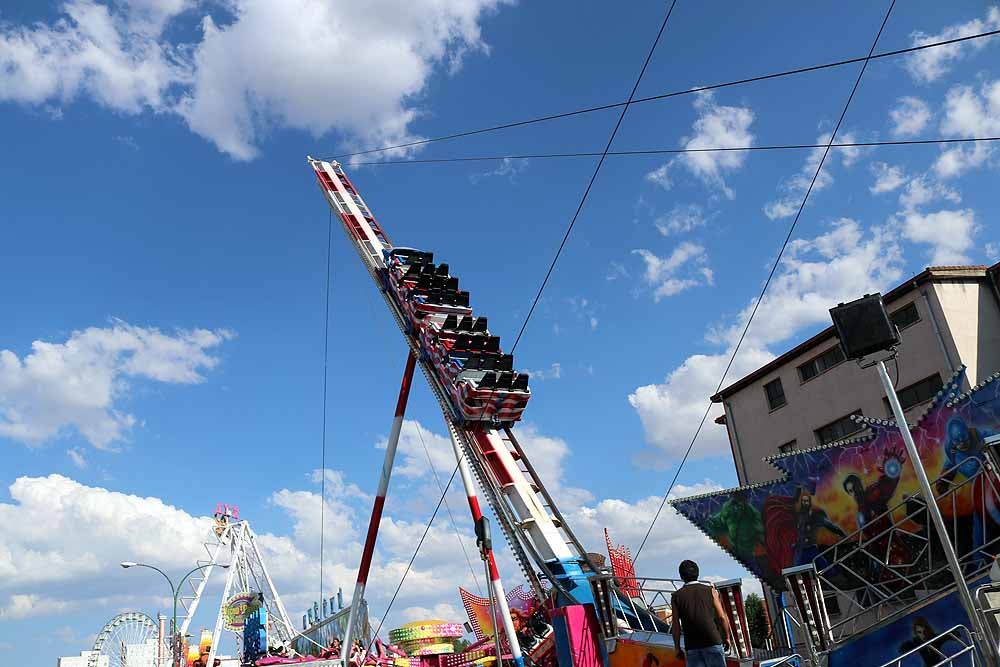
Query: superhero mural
x,y
846,488
914,632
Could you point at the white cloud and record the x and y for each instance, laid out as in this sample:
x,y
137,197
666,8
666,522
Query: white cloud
x,y
553,372
113,57
717,126
948,232
835,266
127,141
670,411
887,177
672,539
548,455
58,530
508,169
931,64
794,189
62,538
77,457
922,190
661,272
27,606
412,439
440,610
849,155
681,219
954,162
971,114
992,251
256,66
832,267
910,116
585,310
661,176
78,384
781,208
616,270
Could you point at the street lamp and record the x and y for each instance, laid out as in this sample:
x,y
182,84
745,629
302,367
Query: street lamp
x,y
174,591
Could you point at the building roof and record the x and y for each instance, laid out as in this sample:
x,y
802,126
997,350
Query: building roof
x,y
930,274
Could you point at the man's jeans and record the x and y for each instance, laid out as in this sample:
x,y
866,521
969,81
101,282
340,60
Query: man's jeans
x,y
712,656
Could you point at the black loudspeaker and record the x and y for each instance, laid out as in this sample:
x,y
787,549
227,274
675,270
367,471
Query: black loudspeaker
x,y
864,327
483,540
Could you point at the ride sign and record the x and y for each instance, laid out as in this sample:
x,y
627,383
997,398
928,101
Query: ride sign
x,y
238,607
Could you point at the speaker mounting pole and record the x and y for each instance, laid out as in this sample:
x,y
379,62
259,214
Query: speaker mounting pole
x,y
865,328
939,526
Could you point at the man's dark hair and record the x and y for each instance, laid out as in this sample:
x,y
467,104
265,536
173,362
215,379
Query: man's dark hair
x,y
688,571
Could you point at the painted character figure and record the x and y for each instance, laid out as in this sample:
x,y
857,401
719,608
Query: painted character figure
x,y
792,526
873,501
964,449
923,632
739,522
874,520
809,522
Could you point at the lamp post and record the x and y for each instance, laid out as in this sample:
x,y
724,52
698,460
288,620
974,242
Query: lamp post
x,y
174,590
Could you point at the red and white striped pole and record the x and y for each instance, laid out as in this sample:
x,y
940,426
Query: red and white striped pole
x,y
376,518
502,608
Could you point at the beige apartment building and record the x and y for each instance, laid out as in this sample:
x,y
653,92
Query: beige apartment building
x,y
947,316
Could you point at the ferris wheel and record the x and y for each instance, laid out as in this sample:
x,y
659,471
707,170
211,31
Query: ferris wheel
x,y
127,640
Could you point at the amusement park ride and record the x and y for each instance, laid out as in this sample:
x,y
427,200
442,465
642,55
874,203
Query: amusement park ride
x,y
482,395
855,572
857,594
859,575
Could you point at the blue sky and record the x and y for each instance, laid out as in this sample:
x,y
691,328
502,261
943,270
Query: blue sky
x,y
165,259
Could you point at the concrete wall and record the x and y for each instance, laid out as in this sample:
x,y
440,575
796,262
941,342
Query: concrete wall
x,y
971,324
839,391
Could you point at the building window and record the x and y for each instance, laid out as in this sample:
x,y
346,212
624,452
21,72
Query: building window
x,y
916,393
821,363
787,447
775,394
838,430
905,316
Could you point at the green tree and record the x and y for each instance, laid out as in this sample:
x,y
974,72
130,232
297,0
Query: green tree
x,y
756,619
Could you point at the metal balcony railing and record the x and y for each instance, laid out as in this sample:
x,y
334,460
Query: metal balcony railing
x,y
636,612
987,599
933,651
895,562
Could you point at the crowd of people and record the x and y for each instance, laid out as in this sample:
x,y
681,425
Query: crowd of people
x,y
377,654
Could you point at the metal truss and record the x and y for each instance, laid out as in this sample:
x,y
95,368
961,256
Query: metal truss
x,y
893,563
236,543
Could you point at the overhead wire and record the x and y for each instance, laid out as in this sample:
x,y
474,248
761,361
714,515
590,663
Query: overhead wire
x,y
569,229
604,154
666,95
409,565
326,357
451,517
676,151
593,177
770,276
